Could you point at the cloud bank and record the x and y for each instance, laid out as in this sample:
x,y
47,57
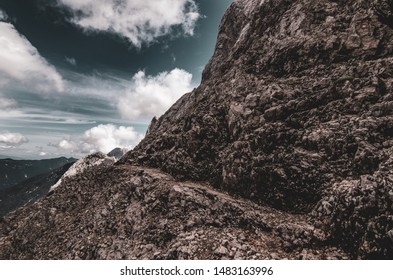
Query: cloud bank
x,y
21,64
103,138
149,96
140,21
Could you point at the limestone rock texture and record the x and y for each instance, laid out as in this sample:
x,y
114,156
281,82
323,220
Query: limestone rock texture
x,y
285,150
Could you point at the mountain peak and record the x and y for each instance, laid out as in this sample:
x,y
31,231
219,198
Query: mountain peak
x,y
117,153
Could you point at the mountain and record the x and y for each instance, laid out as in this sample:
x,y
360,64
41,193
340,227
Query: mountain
x,y
117,153
30,190
13,172
37,187
285,150
5,157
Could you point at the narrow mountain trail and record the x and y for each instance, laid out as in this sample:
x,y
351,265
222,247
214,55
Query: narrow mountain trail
x,y
271,233
143,213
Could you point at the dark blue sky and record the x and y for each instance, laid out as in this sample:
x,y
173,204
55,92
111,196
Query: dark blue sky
x,y
80,78
46,27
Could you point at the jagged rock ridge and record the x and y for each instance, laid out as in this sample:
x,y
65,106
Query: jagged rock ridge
x,y
294,113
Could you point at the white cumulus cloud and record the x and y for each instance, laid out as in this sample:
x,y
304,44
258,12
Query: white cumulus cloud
x,y
150,96
140,21
12,139
21,64
103,138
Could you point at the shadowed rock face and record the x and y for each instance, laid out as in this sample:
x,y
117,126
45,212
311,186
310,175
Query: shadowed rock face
x,y
294,115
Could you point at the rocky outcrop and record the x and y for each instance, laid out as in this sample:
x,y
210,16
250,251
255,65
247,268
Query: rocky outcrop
x,y
283,151
295,102
296,96
85,164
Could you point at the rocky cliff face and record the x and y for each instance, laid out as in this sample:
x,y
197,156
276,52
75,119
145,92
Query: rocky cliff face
x,y
295,97
294,115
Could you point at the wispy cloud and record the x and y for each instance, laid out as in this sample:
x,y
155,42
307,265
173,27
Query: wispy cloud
x,y
21,64
42,116
140,21
71,60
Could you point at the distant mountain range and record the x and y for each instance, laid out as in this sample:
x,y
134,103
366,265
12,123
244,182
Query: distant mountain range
x,y
13,172
23,182
10,157
30,190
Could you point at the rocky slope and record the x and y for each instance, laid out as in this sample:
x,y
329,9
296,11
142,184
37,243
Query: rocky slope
x,y
127,212
294,115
